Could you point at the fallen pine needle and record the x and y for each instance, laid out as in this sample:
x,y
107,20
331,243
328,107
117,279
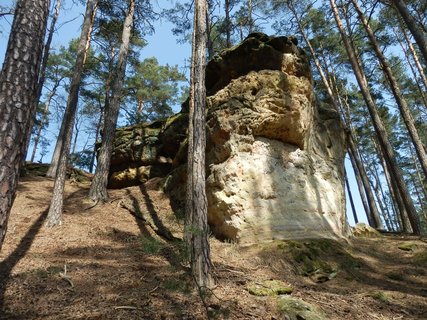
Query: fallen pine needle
x,y
125,308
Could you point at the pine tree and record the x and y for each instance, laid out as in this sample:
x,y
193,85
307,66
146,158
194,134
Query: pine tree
x,y
196,224
18,95
54,216
380,130
98,189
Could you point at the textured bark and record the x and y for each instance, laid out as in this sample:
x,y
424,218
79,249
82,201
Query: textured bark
x,y
394,86
196,225
54,216
380,130
417,33
98,189
371,211
18,90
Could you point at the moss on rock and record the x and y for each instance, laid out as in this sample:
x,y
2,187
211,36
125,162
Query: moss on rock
x,y
269,288
297,309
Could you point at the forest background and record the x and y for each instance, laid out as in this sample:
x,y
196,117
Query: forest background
x,y
172,49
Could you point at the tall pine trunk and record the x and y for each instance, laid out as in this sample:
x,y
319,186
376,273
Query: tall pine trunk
x,y
18,95
394,86
350,196
42,123
417,33
415,57
98,188
42,74
98,128
380,130
227,23
46,49
54,216
196,224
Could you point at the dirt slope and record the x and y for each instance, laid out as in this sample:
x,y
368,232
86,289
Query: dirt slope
x,y
104,263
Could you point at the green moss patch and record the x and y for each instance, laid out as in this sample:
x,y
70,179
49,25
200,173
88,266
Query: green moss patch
x,y
311,258
269,288
297,309
407,246
380,296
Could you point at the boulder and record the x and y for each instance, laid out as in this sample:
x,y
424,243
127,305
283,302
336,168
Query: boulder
x,y
274,156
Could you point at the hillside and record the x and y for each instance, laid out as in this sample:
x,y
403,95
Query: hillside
x,y
104,263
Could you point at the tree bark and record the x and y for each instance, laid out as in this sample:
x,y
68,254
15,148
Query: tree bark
x,y
18,90
401,102
196,225
417,33
98,189
54,216
380,130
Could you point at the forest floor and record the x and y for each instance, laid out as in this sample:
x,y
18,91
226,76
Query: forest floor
x,y
104,263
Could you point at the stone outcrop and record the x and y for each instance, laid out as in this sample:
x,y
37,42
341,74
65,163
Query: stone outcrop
x,y
274,156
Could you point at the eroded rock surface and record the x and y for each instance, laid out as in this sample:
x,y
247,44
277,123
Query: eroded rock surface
x,y
274,157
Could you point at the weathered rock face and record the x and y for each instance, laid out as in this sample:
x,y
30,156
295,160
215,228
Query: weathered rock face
x,y
274,157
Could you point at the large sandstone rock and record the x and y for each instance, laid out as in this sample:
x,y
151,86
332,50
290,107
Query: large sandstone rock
x,y
274,156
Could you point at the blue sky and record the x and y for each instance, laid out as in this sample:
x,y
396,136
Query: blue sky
x,y
162,45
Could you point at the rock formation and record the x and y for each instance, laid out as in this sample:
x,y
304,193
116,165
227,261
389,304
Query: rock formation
x,y
274,156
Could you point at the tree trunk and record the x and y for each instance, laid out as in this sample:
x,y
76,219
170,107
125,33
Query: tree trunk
x,y
98,128
54,216
196,225
227,23
401,215
98,188
415,57
417,33
250,18
42,77
350,196
373,214
401,102
421,88
18,93
46,49
42,122
380,130
360,187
